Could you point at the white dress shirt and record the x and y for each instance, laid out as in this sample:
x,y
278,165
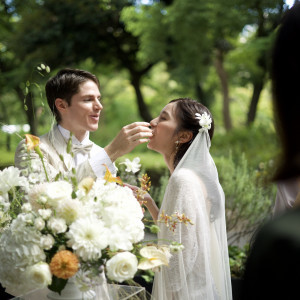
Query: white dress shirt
x,y
96,158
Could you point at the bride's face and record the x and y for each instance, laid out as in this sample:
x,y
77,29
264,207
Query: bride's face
x,y
164,128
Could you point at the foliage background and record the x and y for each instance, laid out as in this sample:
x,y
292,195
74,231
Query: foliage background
x,y
145,54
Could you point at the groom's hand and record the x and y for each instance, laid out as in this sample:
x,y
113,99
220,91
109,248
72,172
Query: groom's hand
x,y
128,138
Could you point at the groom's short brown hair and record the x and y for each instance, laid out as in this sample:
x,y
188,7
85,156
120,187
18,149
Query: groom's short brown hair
x,y
64,85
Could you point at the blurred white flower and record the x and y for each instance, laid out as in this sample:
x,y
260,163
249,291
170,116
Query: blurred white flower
x,y
122,266
132,166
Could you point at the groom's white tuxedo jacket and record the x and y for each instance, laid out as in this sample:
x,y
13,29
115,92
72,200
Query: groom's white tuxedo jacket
x,y
53,145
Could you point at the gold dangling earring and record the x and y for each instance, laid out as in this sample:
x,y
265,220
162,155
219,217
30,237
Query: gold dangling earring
x,y
177,145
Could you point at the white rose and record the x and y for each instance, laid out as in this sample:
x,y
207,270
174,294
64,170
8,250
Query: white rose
x,y
57,225
39,223
39,275
47,241
45,213
122,266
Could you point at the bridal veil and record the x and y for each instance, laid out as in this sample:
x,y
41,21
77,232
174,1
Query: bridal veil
x,y
201,270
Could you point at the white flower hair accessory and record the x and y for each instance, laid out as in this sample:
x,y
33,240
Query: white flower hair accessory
x,y
204,121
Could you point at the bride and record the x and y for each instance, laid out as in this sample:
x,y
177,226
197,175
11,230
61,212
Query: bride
x,y
182,134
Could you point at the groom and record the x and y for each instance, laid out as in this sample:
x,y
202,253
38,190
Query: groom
x,y
75,100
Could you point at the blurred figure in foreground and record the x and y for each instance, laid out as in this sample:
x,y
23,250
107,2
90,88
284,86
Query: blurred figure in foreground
x,y
273,266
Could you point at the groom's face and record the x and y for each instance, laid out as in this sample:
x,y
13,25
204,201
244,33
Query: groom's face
x,y
83,113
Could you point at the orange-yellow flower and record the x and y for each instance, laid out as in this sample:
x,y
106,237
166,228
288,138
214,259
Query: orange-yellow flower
x,y
64,264
32,141
110,178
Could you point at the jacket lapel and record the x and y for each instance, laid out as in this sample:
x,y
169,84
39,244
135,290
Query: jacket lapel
x,y
60,145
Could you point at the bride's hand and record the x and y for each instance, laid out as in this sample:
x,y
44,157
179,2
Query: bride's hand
x,y
147,198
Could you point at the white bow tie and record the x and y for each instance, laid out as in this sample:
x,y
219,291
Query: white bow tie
x,y
84,149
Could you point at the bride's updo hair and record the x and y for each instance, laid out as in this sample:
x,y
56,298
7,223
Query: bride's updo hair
x,y
185,111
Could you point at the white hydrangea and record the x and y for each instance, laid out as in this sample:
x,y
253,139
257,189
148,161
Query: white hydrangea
x,y
19,248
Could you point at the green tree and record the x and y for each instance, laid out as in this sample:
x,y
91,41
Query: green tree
x,y
190,36
193,35
267,15
65,33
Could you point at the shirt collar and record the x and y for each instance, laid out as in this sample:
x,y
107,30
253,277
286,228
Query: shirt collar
x,y
66,134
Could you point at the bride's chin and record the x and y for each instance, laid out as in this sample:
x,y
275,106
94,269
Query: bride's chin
x,y
149,146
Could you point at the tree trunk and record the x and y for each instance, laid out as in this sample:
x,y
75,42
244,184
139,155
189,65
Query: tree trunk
x,y
219,64
257,88
201,97
142,107
4,117
8,142
30,111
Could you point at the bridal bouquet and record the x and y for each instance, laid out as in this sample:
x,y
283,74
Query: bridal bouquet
x,y
52,231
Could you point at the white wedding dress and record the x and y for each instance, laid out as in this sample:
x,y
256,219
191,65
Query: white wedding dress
x,y
201,270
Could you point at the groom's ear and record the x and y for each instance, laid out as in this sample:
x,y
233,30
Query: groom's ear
x,y
185,136
61,104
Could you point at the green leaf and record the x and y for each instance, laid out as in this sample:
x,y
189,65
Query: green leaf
x,y
58,284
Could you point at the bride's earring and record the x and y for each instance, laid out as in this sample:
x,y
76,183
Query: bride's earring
x,y
177,145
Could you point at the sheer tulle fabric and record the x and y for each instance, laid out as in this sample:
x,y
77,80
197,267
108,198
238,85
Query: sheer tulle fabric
x,y
201,270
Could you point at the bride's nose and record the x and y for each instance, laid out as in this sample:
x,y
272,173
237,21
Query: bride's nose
x,y
153,122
